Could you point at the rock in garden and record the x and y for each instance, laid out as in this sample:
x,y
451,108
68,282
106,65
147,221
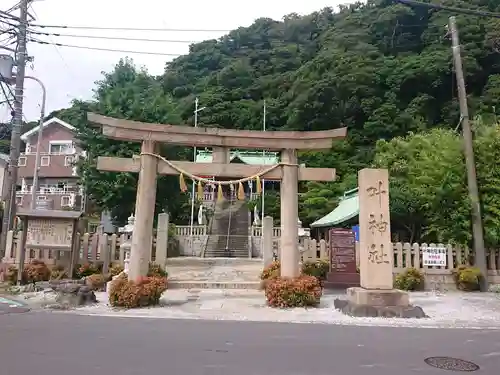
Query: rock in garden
x,y
73,294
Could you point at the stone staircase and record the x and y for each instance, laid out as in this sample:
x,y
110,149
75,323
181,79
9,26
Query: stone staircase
x,y
230,226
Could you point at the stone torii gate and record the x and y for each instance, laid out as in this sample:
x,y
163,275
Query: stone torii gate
x,y
149,165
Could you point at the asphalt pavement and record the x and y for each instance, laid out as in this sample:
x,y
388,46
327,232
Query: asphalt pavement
x,y
46,343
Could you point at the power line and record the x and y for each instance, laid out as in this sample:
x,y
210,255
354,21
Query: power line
x,y
115,38
473,12
6,96
105,49
56,47
126,28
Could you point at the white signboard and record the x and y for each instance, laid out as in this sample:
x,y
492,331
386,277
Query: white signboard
x,y
434,256
49,233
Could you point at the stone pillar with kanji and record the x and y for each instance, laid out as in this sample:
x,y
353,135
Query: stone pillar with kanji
x,y
376,296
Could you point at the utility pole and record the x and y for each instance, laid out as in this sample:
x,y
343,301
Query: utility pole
x,y
15,140
477,225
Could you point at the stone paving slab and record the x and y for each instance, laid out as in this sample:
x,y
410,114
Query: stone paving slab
x,y
213,270
451,310
253,285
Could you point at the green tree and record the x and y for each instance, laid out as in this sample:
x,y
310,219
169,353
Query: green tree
x,y
429,196
129,93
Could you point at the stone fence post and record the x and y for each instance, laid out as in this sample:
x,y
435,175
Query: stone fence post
x,y
162,239
267,240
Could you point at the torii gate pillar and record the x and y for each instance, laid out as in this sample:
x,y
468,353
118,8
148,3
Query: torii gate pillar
x,y
289,213
142,239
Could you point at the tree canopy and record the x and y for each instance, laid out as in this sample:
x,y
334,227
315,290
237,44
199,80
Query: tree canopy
x,y
382,69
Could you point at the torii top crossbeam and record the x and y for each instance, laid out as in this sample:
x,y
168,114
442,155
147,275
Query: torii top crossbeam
x,y
206,137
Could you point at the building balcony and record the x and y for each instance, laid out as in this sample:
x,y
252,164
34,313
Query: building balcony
x,y
52,200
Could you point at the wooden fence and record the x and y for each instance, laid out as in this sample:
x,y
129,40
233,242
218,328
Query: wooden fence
x,y
410,255
91,247
405,254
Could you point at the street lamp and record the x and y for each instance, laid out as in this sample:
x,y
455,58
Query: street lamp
x,y
196,111
36,170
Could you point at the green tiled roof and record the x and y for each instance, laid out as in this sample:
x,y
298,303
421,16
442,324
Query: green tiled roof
x,y
347,209
247,157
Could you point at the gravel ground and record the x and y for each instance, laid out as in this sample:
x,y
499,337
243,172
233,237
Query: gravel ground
x,y
451,310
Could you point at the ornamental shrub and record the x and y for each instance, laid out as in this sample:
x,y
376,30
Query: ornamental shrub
x,y
84,270
11,275
317,269
156,270
141,293
58,272
270,272
115,269
36,271
96,281
302,291
411,279
467,278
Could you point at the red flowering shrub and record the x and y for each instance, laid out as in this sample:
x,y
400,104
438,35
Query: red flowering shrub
x,y
302,291
96,281
84,270
36,271
141,293
270,272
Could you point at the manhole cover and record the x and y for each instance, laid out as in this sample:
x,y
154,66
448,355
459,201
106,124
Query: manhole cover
x,y
452,364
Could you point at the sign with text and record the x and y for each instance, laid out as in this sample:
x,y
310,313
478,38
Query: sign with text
x,y
342,250
434,256
49,233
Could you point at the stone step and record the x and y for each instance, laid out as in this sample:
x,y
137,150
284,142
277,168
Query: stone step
x,y
250,285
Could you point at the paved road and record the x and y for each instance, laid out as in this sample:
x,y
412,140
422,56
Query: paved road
x,y
45,343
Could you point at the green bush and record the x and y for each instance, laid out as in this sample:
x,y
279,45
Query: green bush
x,y
11,275
155,270
317,269
115,269
302,291
132,294
410,279
87,269
58,272
467,278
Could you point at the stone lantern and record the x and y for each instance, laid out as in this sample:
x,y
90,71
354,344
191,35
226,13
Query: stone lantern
x,y
304,235
127,245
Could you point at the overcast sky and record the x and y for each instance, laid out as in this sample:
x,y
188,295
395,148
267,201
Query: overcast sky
x,y
70,72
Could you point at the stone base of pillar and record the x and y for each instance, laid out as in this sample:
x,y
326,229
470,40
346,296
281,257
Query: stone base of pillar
x,y
372,303
341,280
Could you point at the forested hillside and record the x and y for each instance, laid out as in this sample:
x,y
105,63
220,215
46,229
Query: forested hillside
x,y
384,70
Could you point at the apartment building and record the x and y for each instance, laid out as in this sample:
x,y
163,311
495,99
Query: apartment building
x,y
58,179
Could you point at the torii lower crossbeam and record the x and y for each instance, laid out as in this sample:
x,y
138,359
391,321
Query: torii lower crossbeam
x,y
115,164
